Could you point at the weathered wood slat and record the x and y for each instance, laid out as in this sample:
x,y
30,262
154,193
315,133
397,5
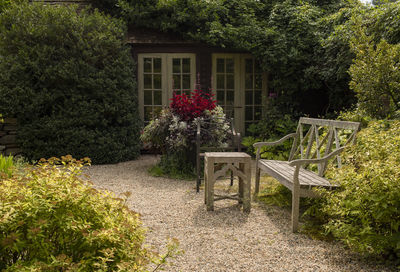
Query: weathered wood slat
x,y
306,178
330,123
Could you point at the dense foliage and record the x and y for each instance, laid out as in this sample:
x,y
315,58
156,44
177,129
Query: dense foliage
x,y
54,220
270,129
375,72
68,77
365,211
287,37
173,132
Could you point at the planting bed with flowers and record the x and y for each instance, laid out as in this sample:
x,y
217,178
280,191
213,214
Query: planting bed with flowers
x,y
173,132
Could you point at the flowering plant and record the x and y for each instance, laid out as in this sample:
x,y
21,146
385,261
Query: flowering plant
x,y
174,130
188,108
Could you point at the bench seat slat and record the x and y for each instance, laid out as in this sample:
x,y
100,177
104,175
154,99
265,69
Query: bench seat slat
x,y
282,169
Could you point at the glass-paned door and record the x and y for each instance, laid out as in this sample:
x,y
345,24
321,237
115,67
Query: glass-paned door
x,y
239,86
225,84
152,87
253,88
161,74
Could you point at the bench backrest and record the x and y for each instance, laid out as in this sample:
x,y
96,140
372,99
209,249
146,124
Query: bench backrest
x,y
315,138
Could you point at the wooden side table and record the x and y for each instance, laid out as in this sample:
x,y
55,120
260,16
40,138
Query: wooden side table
x,y
239,164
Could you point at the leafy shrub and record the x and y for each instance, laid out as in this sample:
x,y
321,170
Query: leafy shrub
x,y
375,75
365,212
68,79
174,131
53,220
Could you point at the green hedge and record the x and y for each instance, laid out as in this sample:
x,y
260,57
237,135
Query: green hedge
x,y
365,212
69,79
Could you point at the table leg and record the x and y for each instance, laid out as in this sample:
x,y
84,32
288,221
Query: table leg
x,y
247,188
210,184
241,169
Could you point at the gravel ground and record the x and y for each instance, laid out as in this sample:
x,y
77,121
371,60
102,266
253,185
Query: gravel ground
x,y
223,240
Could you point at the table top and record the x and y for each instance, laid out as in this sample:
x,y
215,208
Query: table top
x,y
226,155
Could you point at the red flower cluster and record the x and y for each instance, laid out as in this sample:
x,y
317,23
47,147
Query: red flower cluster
x,y
188,108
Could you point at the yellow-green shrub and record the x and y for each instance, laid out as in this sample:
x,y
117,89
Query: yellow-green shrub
x,y
52,220
365,212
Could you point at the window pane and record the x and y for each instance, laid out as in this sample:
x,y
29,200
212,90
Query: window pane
x,y
221,97
230,82
157,65
147,65
177,82
249,66
186,65
157,98
157,81
220,82
229,66
176,66
147,81
249,81
249,98
229,111
230,97
220,66
248,113
186,82
148,98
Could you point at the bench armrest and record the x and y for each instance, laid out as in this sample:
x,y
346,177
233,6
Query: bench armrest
x,y
260,144
316,161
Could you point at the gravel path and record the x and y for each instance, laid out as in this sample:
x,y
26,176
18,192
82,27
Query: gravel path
x,y
223,240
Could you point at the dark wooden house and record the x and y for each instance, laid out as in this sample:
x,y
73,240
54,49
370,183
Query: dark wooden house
x,y
167,63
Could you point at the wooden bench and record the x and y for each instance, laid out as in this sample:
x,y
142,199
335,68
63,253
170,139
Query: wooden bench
x,y
315,147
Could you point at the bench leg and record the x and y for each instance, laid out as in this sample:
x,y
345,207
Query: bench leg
x,y
198,181
295,201
295,212
257,185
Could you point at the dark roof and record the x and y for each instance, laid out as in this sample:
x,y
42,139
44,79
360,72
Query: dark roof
x,y
151,36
